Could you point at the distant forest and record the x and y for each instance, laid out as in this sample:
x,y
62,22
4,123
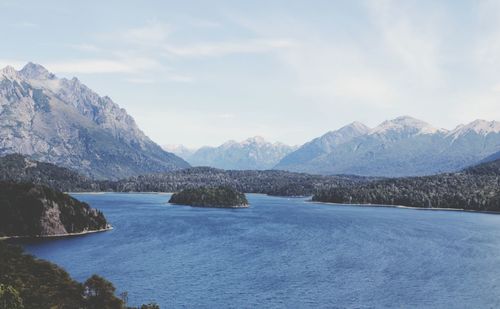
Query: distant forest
x,y
475,188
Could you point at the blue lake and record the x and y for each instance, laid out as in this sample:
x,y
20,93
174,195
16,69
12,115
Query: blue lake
x,y
286,253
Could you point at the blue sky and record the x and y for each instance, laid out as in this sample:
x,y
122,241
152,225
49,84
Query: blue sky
x,y
203,72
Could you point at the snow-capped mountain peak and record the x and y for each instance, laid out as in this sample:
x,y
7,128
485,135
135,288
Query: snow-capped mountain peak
x,y
9,72
252,153
404,125
259,140
479,126
64,122
35,71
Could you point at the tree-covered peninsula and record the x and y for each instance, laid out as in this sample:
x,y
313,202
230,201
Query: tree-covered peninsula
x,y
215,197
475,188
29,210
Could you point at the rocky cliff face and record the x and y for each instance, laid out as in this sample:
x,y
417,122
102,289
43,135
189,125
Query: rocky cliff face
x,y
64,122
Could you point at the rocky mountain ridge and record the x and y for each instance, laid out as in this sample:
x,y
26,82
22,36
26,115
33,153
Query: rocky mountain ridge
x,y
64,122
404,146
254,153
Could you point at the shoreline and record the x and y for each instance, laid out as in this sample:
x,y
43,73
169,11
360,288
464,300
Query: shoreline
x,y
113,192
408,207
109,228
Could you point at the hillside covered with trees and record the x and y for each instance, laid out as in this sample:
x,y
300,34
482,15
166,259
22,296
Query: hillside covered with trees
x,y
27,282
270,182
475,188
34,210
20,169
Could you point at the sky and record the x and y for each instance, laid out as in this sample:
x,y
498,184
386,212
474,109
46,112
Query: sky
x,y
204,72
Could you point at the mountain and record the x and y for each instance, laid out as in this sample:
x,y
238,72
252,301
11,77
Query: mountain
x,y
179,150
404,146
321,146
62,121
251,154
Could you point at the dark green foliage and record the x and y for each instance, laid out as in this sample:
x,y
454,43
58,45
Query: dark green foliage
x,y
270,182
100,293
23,206
477,188
9,298
490,168
28,282
40,284
223,197
150,306
18,168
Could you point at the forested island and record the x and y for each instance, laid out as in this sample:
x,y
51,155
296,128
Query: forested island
x,y
476,188
213,197
28,210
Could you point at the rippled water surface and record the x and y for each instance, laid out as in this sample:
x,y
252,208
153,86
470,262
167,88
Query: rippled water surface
x,y
286,253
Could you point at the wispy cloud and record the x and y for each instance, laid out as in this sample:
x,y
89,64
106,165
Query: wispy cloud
x,y
225,48
87,66
152,33
16,63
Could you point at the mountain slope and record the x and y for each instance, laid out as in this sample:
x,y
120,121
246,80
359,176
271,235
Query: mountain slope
x,y
251,154
64,122
20,169
404,146
321,146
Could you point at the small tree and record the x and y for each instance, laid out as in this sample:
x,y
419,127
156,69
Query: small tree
x,y
100,294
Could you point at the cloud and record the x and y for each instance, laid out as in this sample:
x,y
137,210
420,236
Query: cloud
x,y
225,48
94,66
411,40
152,33
161,79
17,64
85,47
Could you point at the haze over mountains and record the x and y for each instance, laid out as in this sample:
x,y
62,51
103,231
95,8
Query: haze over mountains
x,y
254,153
400,147
64,122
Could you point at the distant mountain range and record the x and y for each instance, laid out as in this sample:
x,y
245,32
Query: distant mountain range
x,y
64,122
251,154
404,146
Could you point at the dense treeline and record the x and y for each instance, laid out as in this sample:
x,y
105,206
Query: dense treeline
x,y
28,282
35,210
476,188
270,182
223,197
18,168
